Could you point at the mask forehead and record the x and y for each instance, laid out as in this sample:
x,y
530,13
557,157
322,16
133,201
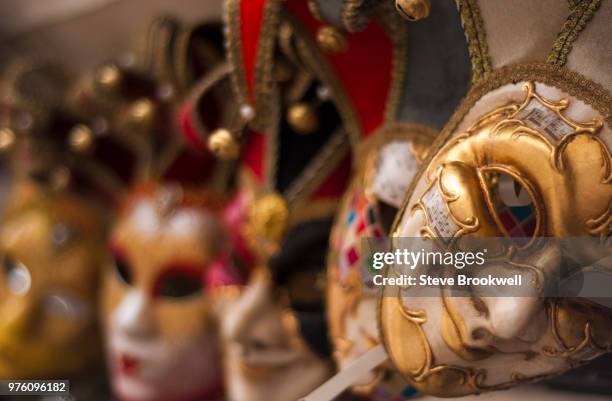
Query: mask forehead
x,y
156,247
152,241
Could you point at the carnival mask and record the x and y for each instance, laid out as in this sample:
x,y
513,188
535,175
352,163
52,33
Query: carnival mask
x,y
535,166
390,160
51,259
267,355
161,333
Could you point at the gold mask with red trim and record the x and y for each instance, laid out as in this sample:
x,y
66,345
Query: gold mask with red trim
x,y
159,322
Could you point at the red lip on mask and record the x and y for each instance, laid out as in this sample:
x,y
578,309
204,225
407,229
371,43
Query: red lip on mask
x,y
128,365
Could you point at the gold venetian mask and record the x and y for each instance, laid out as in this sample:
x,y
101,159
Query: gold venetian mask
x,y
391,158
559,172
51,258
160,329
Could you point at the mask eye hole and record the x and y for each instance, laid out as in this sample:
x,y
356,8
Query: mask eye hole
x,y
122,268
514,209
17,275
178,282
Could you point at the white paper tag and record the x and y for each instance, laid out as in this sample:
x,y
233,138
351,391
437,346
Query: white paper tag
x,y
538,116
395,168
439,217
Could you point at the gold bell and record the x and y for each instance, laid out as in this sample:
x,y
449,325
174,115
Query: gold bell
x,y
81,138
331,39
223,144
7,139
142,112
267,221
108,77
413,10
303,118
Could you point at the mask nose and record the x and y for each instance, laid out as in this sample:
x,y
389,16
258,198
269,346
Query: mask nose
x,y
511,316
242,316
134,316
522,317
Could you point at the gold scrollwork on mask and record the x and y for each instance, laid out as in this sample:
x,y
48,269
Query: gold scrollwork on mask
x,y
536,126
565,166
544,119
576,335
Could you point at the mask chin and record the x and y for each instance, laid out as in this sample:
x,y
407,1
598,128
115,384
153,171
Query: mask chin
x,y
264,347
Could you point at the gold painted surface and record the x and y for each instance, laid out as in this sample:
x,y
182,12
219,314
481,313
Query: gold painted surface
x,y
565,166
348,302
148,256
568,81
48,328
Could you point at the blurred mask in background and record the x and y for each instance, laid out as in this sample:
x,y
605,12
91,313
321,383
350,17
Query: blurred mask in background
x,y
298,121
161,334
52,255
168,236
274,332
389,161
51,236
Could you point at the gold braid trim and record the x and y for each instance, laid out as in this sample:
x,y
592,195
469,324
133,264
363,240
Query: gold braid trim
x,y
476,38
315,10
263,83
264,63
568,81
395,27
320,67
316,62
327,159
582,12
356,14
233,46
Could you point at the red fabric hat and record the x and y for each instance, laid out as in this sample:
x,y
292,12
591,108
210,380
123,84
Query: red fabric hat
x,y
364,76
257,43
